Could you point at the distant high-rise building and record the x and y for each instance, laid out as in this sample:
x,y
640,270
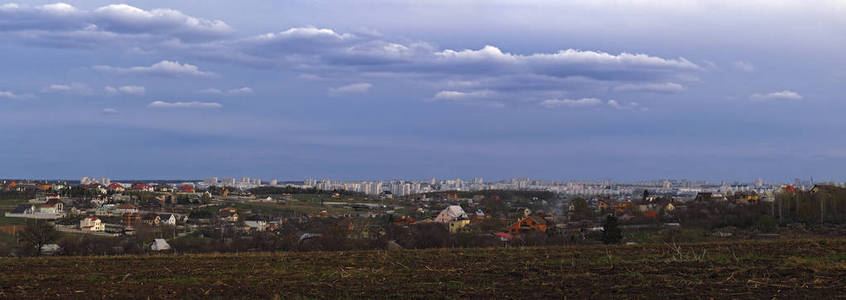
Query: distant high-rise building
x,y
273,182
245,179
759,183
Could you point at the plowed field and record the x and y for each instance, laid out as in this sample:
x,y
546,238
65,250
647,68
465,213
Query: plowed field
x,y
749,269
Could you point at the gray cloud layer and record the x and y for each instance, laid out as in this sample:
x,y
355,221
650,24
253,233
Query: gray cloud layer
x,y
115,19
325,53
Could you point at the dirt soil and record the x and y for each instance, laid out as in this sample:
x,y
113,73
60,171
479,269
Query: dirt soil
x,y
737,269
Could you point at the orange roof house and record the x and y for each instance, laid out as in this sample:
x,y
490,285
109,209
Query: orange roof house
x,y
527,224
142,187
117,187
185,188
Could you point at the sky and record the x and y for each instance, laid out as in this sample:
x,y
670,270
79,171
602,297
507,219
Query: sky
x,y
382,89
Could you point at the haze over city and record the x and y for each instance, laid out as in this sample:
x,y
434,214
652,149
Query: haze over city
x,y
582,90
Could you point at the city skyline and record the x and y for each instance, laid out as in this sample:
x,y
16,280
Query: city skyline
x,y
577,90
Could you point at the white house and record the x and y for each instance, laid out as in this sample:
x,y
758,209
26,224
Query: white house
x,y
256,222
168,219
92,224
53,206
451,213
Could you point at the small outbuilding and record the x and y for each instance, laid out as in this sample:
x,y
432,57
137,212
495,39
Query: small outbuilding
x,y
160,245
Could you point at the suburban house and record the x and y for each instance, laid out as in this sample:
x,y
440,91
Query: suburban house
x,y
162,188
116,187
143,187
478,216
528,224
167,219
93,224
53,210
126,208
228,214
705,196
24,209
454,217
259,223
151,219
53,206
159,245
130,219
186,188
451,213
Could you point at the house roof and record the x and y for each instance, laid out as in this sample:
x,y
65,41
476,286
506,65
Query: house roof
x,y
127,206
21,208
256,218
451,213
160,245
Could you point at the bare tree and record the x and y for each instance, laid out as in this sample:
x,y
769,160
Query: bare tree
x,y
37,234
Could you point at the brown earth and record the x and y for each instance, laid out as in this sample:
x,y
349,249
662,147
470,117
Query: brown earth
x,y
745,269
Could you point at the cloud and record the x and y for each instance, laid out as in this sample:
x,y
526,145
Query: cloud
x,y
781,95
628,106
126,90
232,92
115,20
211,91
73,88
744,66
584,102
109,111
328,54
480,97
14,96
351,88
192,104
665,88
564,63
128,19
313,50
241,91
462,96
162,68
331,54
